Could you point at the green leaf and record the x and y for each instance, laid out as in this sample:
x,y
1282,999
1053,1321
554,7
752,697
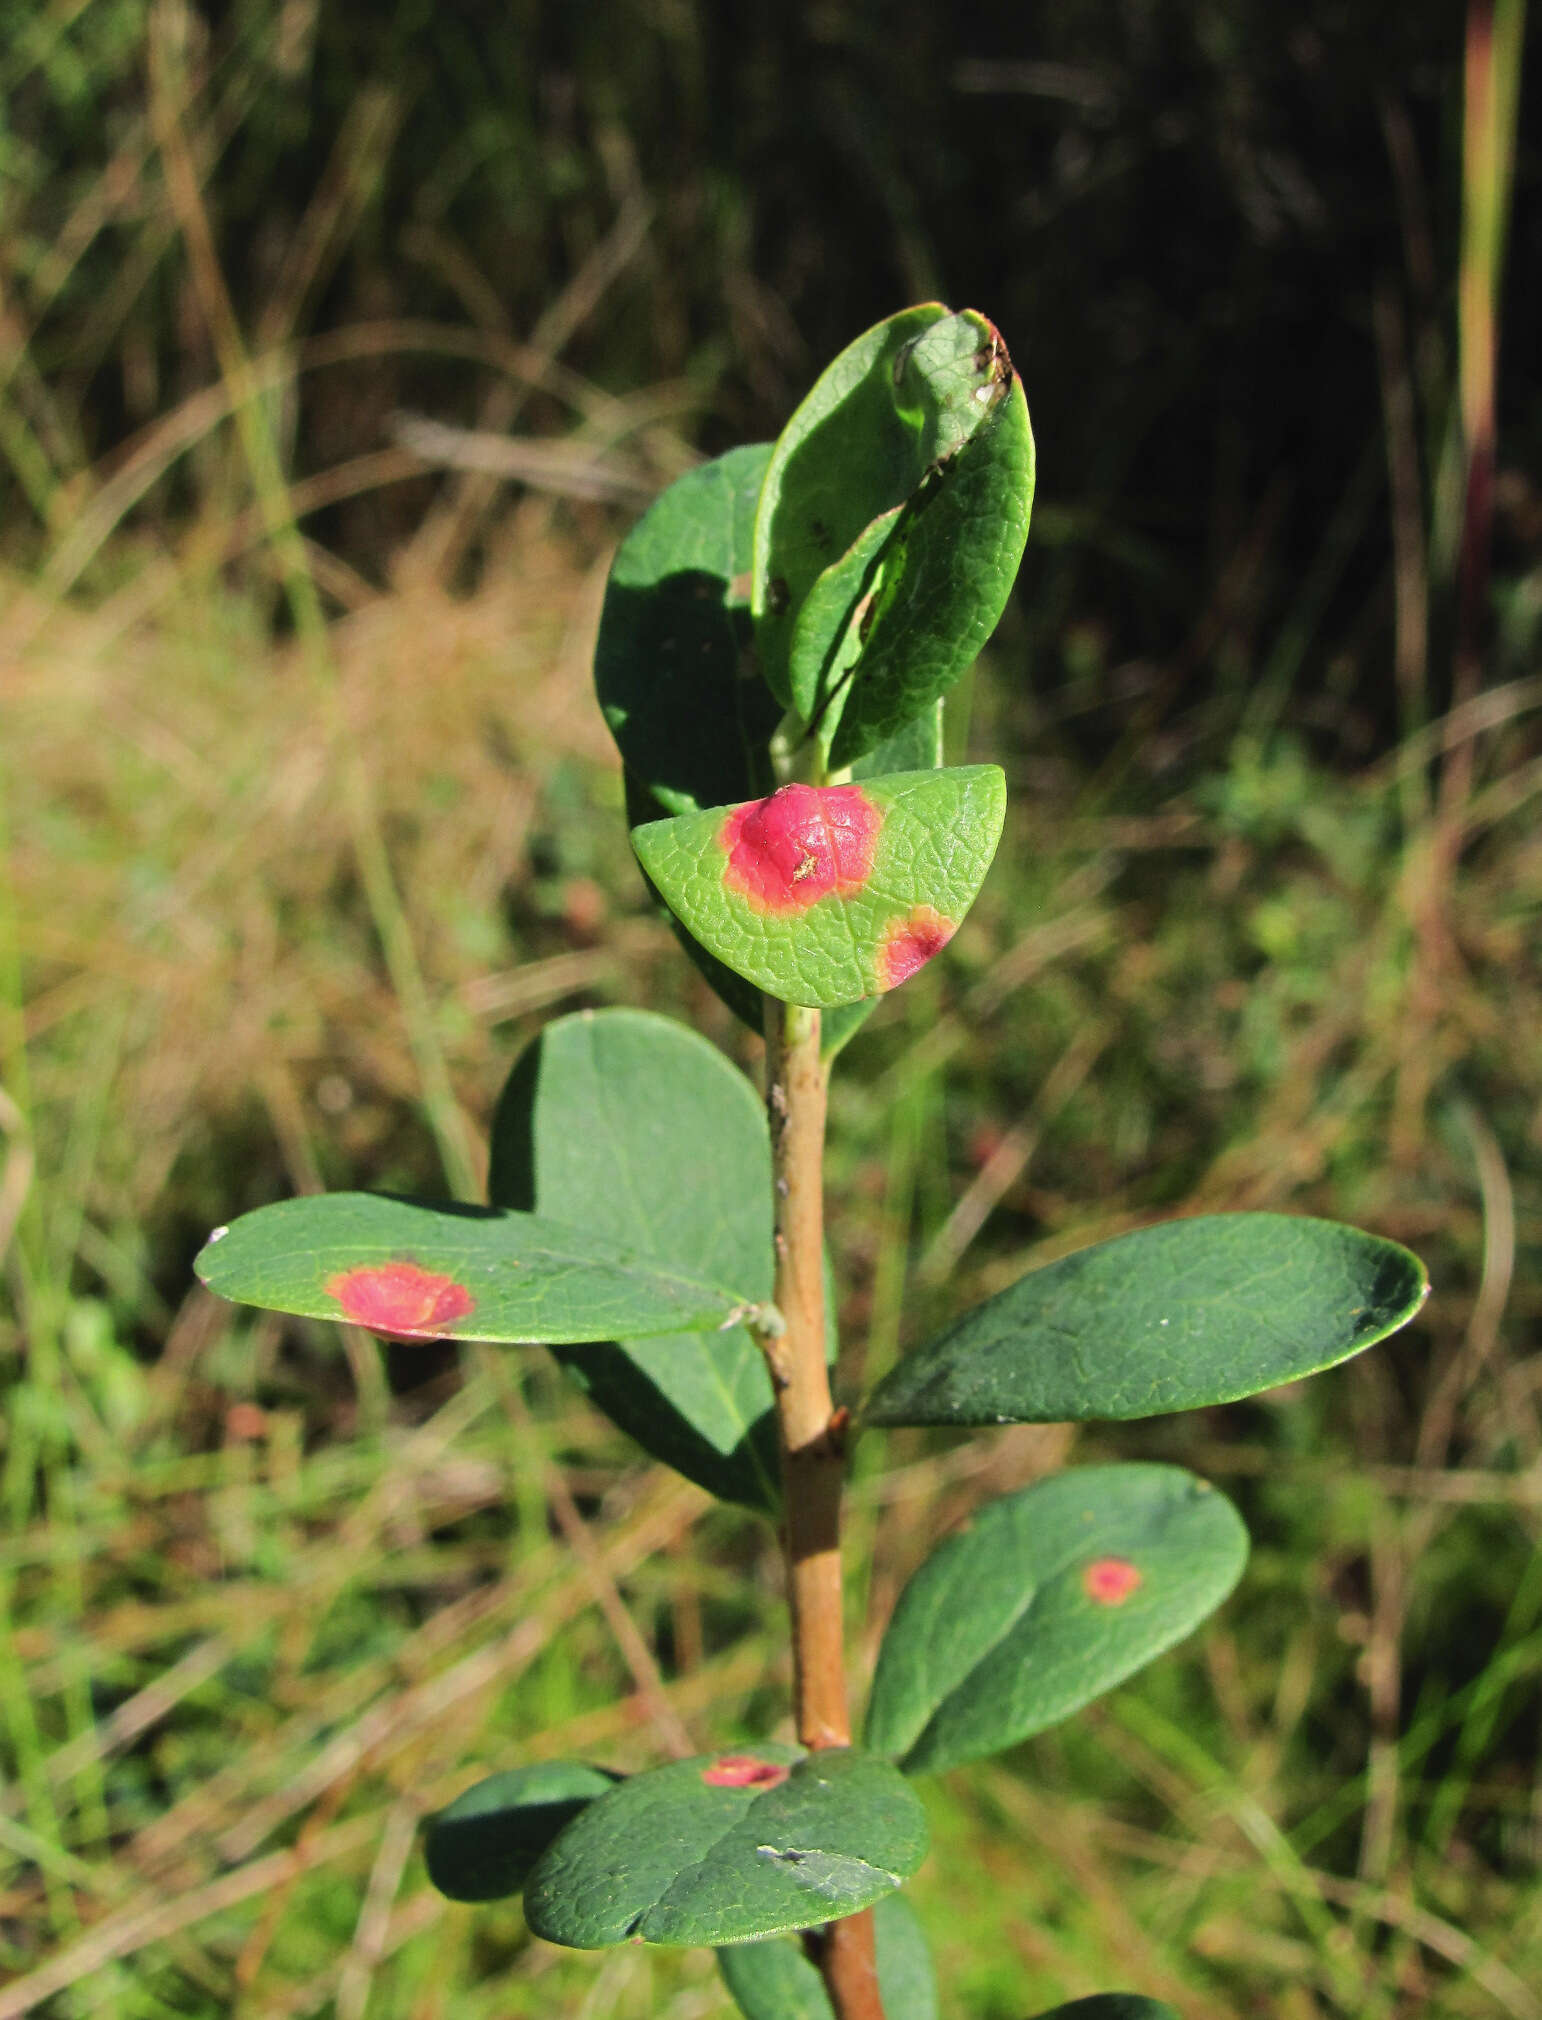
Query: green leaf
x,y
830,630
482,1847
1170,1318
891,524
1112,2006
942,584
408,1270
1047,1599
725,1848
775,1980
917,747
645,1132
673,664
820,895
745,1001
847,456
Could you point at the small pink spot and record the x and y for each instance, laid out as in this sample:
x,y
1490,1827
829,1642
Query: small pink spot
x,y
400,1300
910,943
801,845
245,1421
1109,1581
743,1771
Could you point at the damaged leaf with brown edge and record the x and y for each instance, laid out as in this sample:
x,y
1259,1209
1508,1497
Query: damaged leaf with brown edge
x,y
879,577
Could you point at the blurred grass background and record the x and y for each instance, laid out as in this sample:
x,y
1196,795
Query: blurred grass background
x,y
338,346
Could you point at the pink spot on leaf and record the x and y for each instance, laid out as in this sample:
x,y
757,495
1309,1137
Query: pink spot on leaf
x,y
910,943
400,1300
1109,1581
801,845
743,1771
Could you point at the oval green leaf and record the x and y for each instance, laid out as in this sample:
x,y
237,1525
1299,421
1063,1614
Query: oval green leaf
x,y
408,1270
729,1847
1172,1317
917,747
1045,1601
822,895
941,585
891,525
482,1847
647,1134
673,665
774,1979
847,456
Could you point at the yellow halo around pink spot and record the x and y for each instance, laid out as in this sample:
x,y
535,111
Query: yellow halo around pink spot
x,y
910,943
802,844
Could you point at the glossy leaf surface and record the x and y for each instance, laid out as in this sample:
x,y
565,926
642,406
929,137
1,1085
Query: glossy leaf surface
x,y
846,457
1047,1599
413,1271
891,525
1172,1317
830,631
775,1980
823,895
645,1132
482,1847
942,583
726,1848
672,665
917,747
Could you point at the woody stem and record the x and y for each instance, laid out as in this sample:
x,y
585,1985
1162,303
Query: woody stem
x,y
812,1446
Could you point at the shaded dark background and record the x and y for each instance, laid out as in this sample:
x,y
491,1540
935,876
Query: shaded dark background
x,y
1177,214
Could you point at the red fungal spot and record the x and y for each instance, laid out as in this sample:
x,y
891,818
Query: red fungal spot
x,y
743,1771
802,844
400,1300
910,943
1109,1581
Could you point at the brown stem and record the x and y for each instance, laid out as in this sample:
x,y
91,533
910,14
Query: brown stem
x,y
813,1447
